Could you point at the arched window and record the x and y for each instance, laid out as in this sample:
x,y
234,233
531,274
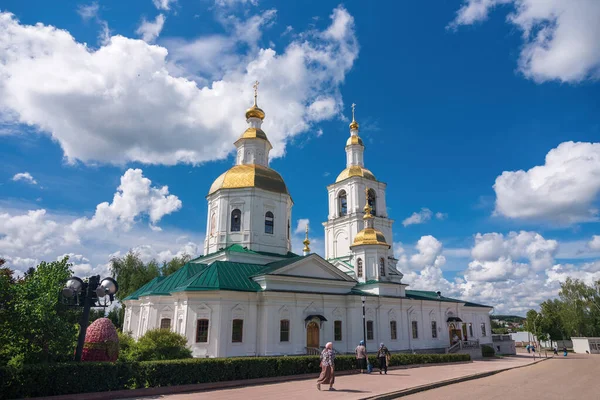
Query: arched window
x,y
342,203
236,220
269,222
373,202
359,268
382,266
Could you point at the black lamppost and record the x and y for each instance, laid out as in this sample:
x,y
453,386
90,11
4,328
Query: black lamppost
x,y
92,293
363,299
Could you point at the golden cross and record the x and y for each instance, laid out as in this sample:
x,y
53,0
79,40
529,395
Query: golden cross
x,y
255,86
353,107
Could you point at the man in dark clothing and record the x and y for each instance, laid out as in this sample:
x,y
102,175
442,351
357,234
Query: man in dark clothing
x,y
382,354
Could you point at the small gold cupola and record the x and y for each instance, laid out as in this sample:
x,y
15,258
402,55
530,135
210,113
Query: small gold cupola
x,y
354,138
306,242
369,235
255,111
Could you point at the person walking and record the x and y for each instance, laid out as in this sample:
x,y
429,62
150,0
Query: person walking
x,y
382,355
564,351
327,376
361,356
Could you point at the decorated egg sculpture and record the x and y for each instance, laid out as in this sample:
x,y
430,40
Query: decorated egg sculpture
x,y
101,342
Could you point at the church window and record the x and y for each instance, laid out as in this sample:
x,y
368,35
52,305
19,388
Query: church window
x,y
433,329
284,330
393,330
382,266
237,331
370,330
269,222
373,202
359,268
236,220
342,203
165,323
470,329
483,333
201,331
415,330
337,331
212,224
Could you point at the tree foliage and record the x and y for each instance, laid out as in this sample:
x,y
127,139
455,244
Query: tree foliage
x,y
156,344
131,273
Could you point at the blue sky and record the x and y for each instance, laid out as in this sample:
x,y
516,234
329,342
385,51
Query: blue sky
x,y
453,101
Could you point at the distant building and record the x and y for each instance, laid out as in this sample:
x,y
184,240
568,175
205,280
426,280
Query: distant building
x,y
583,345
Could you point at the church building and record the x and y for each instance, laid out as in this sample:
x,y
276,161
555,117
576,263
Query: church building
x,y
251,295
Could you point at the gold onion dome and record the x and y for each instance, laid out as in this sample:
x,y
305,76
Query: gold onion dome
x,y
369,235
248,176
306,242
255,111
354,125
355,170
354,139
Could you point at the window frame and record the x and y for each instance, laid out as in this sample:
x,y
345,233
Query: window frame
x,y
359,268
342,207
234,338
236,227
415,329
161,323
372,201
283,331
434,333
393,330
370,332
382,266
269,222
198,322
483,330
470,329
337,331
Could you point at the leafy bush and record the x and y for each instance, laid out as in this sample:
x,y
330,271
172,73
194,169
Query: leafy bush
x,y
487,351
70,378
126,346
160,344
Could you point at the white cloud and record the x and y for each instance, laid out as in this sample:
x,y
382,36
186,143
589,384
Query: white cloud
x,y
301,225
560,37
441,216
231,3
88,11
151,111
150,30
564,190
163,4
322,108
25,177
134,198
27,237
594,244
420,217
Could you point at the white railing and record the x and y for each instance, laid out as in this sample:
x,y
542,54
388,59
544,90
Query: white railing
x,y
454,348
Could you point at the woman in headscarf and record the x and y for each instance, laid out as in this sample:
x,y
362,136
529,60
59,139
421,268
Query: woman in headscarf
x,y
327,376
361,356
382,354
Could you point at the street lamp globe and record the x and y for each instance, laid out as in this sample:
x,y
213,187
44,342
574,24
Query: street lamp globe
x,y
72,287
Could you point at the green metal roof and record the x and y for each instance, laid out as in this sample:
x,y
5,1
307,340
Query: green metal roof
x,y
223,275
275,265
135,295
236,248
176,279
429,295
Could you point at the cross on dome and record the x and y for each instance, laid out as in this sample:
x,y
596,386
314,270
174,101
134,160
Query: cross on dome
x,y
255,86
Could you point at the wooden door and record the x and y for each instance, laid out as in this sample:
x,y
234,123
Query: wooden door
x,y
312,335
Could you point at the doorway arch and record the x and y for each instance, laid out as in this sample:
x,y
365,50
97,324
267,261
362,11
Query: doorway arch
x,y
312,335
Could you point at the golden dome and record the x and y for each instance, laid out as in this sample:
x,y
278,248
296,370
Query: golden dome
x,y
355,170
354,139
353,124
369,236
250,175
254,133
255,112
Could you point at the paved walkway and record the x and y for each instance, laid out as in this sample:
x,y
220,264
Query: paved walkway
x,y
571,377
358,386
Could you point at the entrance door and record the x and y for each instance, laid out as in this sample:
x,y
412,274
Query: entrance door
x,y
464,329
312,335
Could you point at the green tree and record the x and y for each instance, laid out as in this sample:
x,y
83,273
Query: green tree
x,y
43,329
579,308
160,344
172,266
116,317
7,311
131,273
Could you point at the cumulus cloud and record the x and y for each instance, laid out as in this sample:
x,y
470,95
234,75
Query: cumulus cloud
x,y
563,191
25,177
594,244
168,109
88,11
150,30
301,225
135,197
420,217
560,37
27,237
